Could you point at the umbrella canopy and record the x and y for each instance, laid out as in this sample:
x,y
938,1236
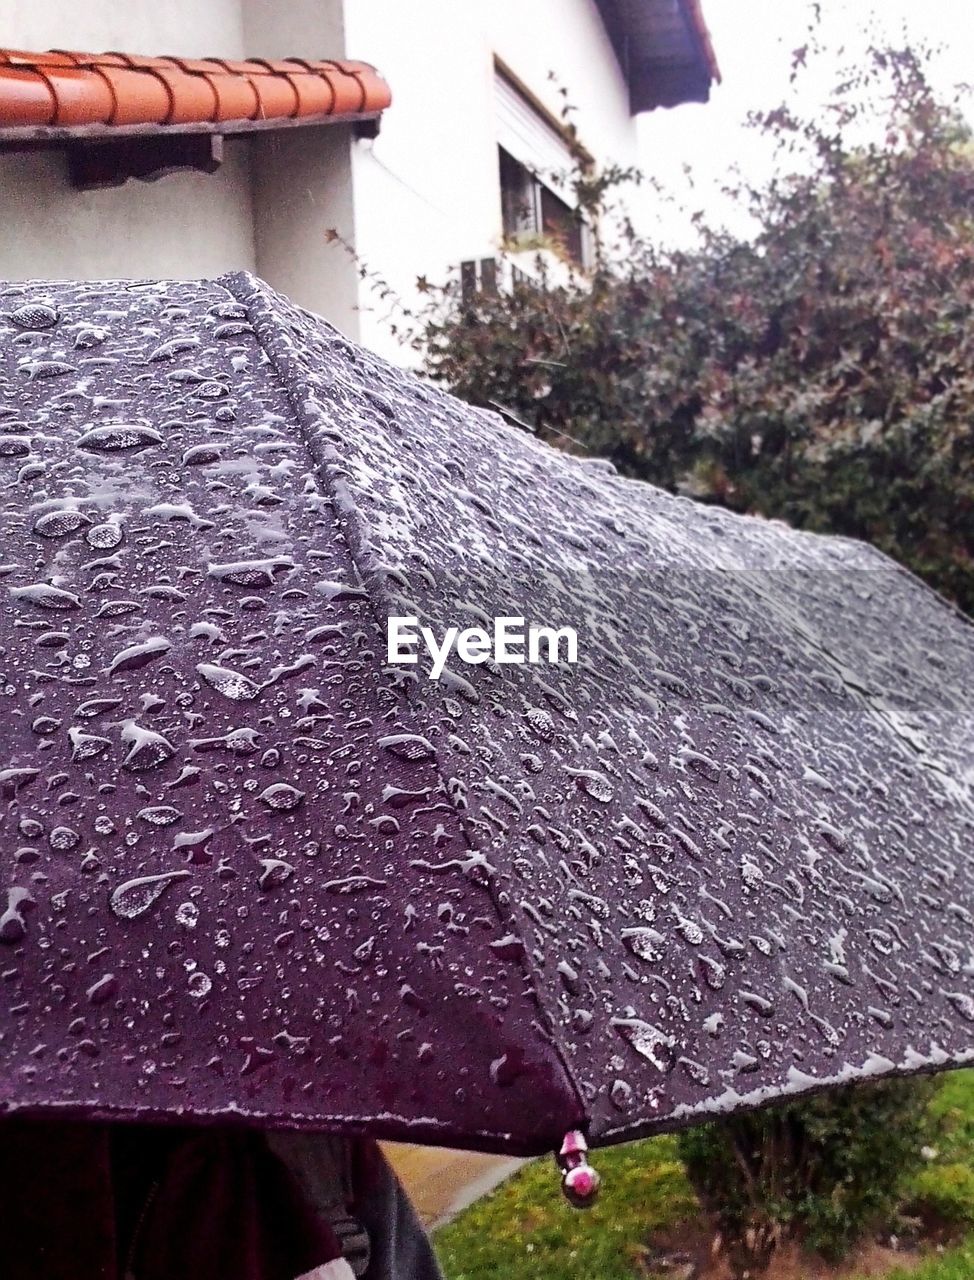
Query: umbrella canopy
x,y
254,869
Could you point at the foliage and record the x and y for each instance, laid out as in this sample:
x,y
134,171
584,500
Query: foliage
x,y
525,1229
941,1193
822,372
823,1170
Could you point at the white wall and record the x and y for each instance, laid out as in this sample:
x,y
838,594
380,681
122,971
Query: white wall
x,y
266,210
188,28
186,224
535,37
302,189
302,178
426,191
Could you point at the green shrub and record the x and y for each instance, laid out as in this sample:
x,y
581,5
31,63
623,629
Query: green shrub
x,y
824,1170
819,372
943,1194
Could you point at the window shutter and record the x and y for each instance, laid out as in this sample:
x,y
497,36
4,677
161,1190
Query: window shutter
x,y
528,136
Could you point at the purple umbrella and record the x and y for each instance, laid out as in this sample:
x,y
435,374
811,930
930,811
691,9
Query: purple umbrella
x,y
254,868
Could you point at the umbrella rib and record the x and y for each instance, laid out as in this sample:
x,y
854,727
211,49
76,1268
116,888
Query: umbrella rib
x,y
257,299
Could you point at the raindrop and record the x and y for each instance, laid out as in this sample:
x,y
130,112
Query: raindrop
x,y
118,438
103,990
648,1041
596,785
408,746
133,898
647,944
86,745
13,927
159,815
139,655
250,573
57,524
275,871
621,1095
46,596
202,454
230,684
281,796
104,536
147,749
36,369
90,337
35,315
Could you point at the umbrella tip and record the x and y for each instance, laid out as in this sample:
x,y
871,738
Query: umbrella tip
x,y
579,1181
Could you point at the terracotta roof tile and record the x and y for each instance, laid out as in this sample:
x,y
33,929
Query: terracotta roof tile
x,y
28,96
69,89
81,96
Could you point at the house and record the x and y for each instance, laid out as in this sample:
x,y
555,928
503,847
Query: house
x,y
260,131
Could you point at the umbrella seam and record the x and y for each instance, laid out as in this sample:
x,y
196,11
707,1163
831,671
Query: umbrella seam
x,y
245,288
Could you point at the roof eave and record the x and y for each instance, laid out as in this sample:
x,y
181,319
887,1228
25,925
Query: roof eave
x,y
657,81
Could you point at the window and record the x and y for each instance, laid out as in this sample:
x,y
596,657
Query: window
x,y
529,208
533,159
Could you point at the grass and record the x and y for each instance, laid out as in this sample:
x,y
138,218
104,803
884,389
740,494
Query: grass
x,y
955,1264
525,1229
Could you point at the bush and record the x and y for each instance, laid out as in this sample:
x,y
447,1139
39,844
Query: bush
x,y
820,372
943,1195
824,1170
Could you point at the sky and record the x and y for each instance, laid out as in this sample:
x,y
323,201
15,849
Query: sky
x,y
753,40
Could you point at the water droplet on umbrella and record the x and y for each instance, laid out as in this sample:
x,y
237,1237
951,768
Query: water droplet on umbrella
x,y
140,655
104,536
103,990
134,898
281,796
408,746
647,944
13,926
159,815
119,438
594,784
57,524
147,749
38,369
648,1041
230,684
86,745
250,573
35,315
46,596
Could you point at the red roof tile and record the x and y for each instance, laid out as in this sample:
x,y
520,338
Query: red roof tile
x,y
67,89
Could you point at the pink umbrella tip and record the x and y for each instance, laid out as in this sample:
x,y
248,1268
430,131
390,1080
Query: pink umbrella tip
x,y
579,1181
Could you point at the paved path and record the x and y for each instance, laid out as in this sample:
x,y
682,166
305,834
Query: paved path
x,y
441,1182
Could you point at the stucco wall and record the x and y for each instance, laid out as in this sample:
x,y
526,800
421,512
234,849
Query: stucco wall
x,y
185,224
184,27
267,209
426,190
302,179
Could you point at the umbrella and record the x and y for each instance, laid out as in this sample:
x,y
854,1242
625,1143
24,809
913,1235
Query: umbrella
x,y
258,868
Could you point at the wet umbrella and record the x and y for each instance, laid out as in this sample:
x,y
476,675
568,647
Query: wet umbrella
x,y
254,869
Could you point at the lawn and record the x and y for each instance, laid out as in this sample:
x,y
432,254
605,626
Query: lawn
x,y
525,1229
